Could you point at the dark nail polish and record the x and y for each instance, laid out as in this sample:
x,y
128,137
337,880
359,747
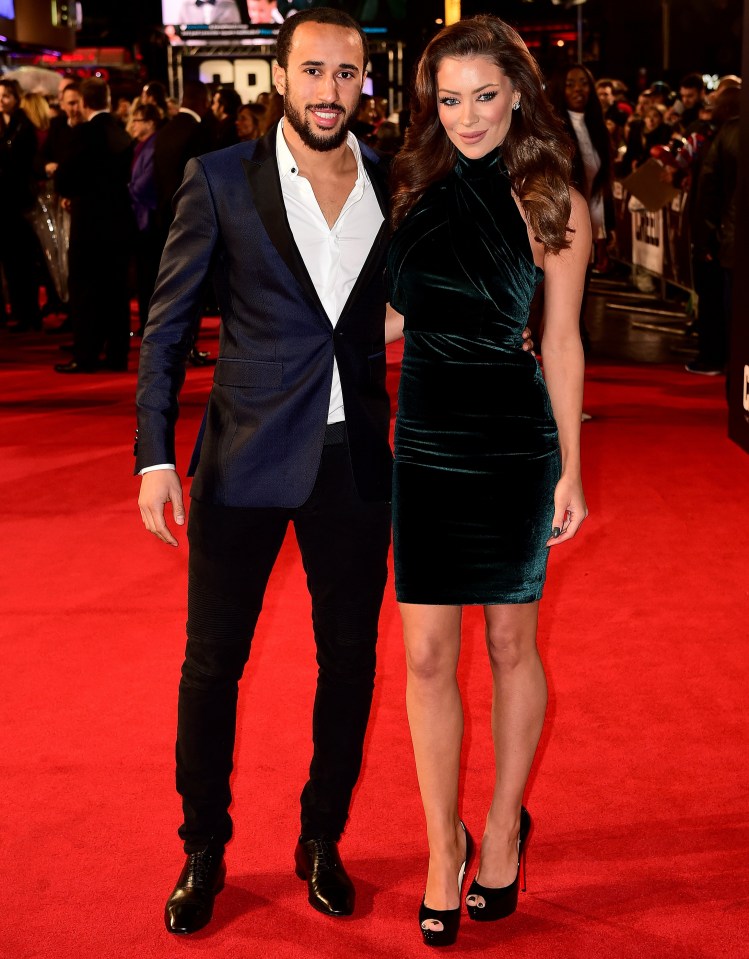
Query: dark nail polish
x,y
556,532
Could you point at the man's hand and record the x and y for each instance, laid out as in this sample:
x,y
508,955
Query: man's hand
x,y
158,488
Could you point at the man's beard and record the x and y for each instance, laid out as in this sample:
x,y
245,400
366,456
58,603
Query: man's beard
x,y
307,135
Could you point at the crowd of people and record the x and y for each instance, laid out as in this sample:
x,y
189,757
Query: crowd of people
x,y
113,197
44,147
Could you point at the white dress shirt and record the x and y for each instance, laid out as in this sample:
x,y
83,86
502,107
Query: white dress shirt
x,y
334,256
591,166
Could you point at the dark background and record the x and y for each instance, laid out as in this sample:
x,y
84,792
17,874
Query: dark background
x,y
623,38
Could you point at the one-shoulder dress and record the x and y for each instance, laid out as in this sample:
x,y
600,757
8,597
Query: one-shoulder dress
x,y
476,445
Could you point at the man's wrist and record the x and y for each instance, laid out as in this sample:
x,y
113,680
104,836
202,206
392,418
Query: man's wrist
x,y
160,466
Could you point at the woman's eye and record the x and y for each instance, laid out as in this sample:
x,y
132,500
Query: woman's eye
x,y
448,101
486,97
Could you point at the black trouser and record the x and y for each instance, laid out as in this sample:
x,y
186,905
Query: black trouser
x,y
19,255
344,544
712,320
100,302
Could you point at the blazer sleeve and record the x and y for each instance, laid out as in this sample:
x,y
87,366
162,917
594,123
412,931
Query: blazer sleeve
x,y
173,317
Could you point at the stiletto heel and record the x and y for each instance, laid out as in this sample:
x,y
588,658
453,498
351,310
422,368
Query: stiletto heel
x,y
449,919
490,903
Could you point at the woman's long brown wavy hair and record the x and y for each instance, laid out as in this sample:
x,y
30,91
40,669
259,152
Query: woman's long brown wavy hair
x,y
536,150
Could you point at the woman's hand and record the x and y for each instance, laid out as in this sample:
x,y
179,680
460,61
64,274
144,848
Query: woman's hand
x,y
570,510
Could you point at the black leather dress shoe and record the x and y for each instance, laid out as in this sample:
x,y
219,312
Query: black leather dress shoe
x,y
330,889
73,367
190,905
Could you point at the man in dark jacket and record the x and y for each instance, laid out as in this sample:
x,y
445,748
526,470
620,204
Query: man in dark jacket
x,y
296,431
713,239
18,244
94,178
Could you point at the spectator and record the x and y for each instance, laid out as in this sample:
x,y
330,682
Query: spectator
x,y
37,110
122,111
714,243
614,117
18,243
94,177
184,137
146,119
642,136
224,108
388,140
572,93
172,107
691,93
154,92
248,123
176,142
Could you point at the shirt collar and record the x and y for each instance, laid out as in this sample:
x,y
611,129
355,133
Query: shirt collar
x,y
287,165
189,112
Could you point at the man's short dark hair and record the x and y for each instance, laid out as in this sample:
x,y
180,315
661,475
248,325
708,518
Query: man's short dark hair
x,y
195,96
327,15
95,94
148,112
74,85
692,81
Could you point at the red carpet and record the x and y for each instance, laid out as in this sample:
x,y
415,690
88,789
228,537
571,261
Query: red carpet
x,y
640,790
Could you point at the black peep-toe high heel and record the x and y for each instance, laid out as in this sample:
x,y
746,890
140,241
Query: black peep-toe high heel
x,y
487,903
448,918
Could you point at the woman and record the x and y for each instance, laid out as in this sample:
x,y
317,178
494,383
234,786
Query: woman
x,y
573,95
643,135
485,479
248,122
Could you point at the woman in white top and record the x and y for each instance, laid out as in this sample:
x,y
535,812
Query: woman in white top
x,y
573,95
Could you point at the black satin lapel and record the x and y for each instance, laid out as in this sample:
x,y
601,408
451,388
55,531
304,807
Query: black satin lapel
x,y
374,262
378,179
262,175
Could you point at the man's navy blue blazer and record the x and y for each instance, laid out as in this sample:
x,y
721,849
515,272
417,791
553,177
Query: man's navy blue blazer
x,y
262,435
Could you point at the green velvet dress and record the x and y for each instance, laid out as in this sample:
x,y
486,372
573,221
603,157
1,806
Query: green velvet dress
x,y
476,445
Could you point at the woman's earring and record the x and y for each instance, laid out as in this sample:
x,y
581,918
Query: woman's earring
x,y
516,105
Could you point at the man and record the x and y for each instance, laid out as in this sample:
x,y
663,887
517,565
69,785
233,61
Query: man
x,y
179,140
94,177
60,134
296,430
691,94
18,244
185,136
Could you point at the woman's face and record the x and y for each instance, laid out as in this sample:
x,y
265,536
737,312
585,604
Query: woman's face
x,y
474,103
576,90
246,125
8,102
652,119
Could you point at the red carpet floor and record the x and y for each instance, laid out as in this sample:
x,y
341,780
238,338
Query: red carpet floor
x,y
639,794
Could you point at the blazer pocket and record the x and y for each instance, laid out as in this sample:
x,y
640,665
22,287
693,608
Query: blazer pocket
x,y
248,373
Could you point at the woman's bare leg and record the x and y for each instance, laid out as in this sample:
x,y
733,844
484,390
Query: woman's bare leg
x,y
435,716
518,709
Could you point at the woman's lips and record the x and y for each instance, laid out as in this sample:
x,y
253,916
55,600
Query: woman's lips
x,y
472,137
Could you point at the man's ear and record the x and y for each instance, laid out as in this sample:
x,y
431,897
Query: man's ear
x,y
279,79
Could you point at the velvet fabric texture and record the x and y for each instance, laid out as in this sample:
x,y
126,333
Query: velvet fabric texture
x,y
476,445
